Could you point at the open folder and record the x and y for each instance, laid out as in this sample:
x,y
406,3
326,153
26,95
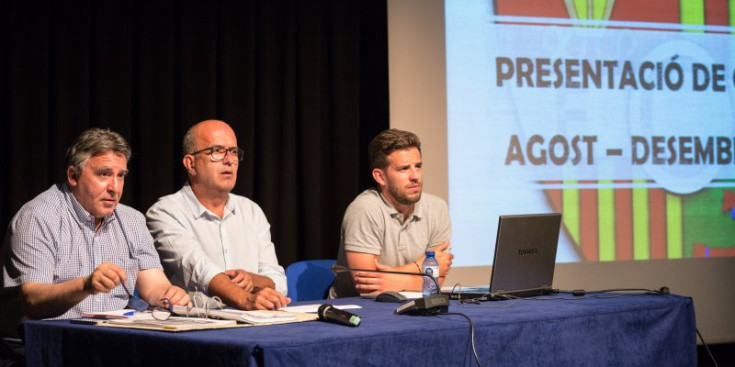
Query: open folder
x,y
172,324
258,317
188,318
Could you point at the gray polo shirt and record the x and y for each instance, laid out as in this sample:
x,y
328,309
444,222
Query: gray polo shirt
x,y
371,225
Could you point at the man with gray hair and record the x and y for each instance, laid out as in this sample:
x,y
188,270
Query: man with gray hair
x,y
74,248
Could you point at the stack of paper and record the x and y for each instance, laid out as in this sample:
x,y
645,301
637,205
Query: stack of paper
x,y
174,323
259,317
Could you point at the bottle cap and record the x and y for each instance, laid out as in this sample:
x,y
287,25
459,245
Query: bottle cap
x,y
429,253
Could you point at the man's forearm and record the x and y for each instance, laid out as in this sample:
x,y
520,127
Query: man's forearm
x,y
417,282
261,282
411,283
232,295
42,301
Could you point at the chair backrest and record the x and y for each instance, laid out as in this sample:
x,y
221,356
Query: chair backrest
x,y
309,280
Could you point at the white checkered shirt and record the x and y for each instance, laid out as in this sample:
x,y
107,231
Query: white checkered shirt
x,y
52,240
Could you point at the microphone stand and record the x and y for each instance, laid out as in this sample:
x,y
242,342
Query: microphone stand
x,y
433,304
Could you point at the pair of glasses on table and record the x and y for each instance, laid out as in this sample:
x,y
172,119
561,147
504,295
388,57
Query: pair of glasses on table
x,y
138,304
199,307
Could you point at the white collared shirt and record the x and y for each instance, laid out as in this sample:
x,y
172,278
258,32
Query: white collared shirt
x,y
195,244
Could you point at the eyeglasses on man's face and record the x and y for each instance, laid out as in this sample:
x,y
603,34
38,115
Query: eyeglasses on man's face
x,y
218,152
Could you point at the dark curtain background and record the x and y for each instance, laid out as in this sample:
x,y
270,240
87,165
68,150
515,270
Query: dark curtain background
x,y
303,83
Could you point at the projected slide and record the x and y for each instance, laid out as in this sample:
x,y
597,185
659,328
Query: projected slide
x,y
617,114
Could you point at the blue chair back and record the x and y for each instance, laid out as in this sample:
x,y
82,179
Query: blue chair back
x,y
309,280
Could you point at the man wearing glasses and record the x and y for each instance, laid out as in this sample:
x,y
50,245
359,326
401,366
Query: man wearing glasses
x,y
74,247
211,240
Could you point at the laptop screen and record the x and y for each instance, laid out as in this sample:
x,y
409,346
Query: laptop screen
x,y
524,259
525,253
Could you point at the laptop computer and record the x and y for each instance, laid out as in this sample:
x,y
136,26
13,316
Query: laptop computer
x,y
524,260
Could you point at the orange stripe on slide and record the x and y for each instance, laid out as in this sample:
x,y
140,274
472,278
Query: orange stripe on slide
x,y
699,250
589,227
716,12
531,8
721,252
554,196
623,223
657,217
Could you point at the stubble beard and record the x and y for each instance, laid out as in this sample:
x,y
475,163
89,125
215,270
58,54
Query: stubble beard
x,y
403,198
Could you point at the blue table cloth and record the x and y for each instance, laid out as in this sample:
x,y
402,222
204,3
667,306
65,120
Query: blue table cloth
x,y
609,330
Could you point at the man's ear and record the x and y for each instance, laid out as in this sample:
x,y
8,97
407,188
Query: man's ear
x,y
379,176
72,178
189,163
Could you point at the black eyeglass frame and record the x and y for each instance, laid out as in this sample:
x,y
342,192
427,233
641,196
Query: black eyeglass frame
x,y
234,151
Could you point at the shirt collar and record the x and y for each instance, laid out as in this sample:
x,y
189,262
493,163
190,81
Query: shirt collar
x,y
198,210
78,211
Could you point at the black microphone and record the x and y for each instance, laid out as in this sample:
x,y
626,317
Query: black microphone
x,y
330,313
430,305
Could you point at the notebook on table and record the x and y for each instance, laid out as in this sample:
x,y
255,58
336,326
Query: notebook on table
x,y
524,259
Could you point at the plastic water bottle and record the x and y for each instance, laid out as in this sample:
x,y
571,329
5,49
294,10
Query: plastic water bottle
x,y
430,267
